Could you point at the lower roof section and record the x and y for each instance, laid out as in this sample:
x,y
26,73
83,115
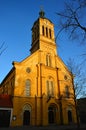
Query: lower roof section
x,y
5,101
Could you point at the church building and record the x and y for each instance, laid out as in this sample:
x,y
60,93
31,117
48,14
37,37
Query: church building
x,y
38,91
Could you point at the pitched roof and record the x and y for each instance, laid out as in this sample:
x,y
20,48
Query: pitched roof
x,y
5,101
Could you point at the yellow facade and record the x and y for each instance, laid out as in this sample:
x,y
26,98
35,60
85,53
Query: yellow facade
x,y
41,85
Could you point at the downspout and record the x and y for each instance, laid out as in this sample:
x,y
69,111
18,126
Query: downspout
x,y
36,96
60,98
41,102
35,110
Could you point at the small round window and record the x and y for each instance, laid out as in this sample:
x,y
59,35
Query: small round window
x,y
65,77
28,70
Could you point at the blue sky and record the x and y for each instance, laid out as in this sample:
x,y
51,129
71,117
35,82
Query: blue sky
x,y
17,18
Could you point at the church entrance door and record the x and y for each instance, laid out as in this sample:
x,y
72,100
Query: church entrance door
x,y
26,117
69,116
51,114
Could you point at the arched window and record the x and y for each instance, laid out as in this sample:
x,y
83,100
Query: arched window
x,y
50,87
28,87
48,60
67,91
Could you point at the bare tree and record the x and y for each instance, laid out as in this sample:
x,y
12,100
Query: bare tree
x,y
72,20
78,81
79,78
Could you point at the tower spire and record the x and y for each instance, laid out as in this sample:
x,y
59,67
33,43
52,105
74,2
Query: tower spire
x,y
41,13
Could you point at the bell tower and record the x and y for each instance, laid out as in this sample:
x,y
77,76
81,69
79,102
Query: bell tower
x,y
42,34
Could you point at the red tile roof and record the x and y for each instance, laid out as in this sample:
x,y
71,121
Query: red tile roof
x,y
5,101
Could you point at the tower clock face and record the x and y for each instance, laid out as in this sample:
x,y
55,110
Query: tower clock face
x,y
28,70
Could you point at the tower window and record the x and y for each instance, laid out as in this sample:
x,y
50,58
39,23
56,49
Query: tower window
x,y
50,33
48,60
46,31
43,30
27,87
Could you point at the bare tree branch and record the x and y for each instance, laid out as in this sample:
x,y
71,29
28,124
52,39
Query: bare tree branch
x,y
71,19
2,48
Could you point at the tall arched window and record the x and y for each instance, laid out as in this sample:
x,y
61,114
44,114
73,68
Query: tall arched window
x,y
27,87
48,60
50,87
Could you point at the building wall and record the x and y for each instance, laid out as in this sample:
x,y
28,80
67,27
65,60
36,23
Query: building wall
x,y
8,83
39,101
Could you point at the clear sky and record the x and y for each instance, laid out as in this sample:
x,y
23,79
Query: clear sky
x,y
17,18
